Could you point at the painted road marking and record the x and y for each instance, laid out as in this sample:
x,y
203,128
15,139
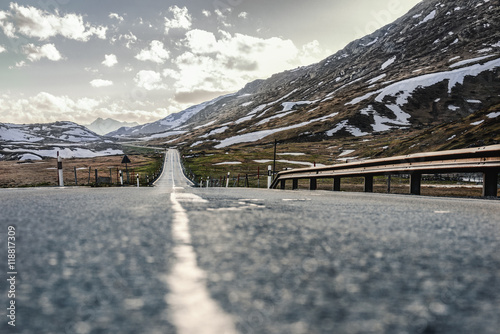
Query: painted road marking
x,y
193,311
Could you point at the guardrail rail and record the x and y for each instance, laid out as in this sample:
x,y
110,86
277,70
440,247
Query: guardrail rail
x,y
484,160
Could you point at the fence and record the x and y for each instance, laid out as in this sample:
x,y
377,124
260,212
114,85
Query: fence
x,y
485,160
111,176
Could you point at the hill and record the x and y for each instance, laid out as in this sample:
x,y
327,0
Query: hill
x,y
37,141
104,126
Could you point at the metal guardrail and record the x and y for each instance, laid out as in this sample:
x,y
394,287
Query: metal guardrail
x,y
484,160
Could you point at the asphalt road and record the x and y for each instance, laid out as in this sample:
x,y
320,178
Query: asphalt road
x,y
176,259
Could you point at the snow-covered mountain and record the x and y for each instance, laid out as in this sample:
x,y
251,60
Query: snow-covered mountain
x,y
36,141
163,127
437,64
104,126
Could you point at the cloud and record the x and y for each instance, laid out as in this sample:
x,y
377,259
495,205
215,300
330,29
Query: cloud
x,y
196,97
110,60
182,19
243,15
97,83
2,49
45,107
219,63
36,53
32,22
149,80
156,53
116,16
130,38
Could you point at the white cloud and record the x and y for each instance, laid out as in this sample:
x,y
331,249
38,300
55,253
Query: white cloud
x,y
45,107
149,80
116,16
206,13
2,49
101,83
312,53
225,62
36,53
110,60
130,38
243,15
181,20
156,53
32,22
222,17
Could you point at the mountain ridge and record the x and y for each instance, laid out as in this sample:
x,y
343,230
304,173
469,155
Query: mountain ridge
x,y
39,141
103,126
438,63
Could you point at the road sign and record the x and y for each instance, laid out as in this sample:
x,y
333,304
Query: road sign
x,y
125,160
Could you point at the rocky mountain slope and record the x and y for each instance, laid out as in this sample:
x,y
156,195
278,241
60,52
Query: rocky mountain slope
x,y
104,126
437,64
36,141
161,128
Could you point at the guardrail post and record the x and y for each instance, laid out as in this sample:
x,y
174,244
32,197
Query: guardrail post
x,y
490,187
369,184
283,184
415,183
295,184
227,181
336,183
313,184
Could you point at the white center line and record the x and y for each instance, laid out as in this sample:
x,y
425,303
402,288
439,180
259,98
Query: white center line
x,y
192,309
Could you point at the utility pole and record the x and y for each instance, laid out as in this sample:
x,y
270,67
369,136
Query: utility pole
x,y
274,163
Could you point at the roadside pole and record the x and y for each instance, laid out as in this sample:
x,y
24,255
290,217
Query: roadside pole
x,y
227,181
137,180
60,170
76,176
258,177
121,178
269,176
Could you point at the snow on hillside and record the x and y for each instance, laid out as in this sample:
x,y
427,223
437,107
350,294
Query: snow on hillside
x,y
60,131
402,90
171,122
37,141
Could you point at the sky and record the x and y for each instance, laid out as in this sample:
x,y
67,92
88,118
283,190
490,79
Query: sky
x,y
139,61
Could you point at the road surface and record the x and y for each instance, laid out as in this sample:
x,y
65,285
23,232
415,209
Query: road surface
x,y
177,259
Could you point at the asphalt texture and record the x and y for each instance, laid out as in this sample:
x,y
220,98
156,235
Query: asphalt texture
x,y
99,260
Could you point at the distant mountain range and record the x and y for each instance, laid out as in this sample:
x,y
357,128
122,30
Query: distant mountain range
x,y
104,126
38,141
437,64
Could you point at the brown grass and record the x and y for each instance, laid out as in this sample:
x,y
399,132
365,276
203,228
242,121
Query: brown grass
x,y
44,173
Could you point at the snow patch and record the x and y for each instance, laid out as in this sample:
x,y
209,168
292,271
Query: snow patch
x,y
258,135
380,77
388,63
470,61
228,163
429,17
